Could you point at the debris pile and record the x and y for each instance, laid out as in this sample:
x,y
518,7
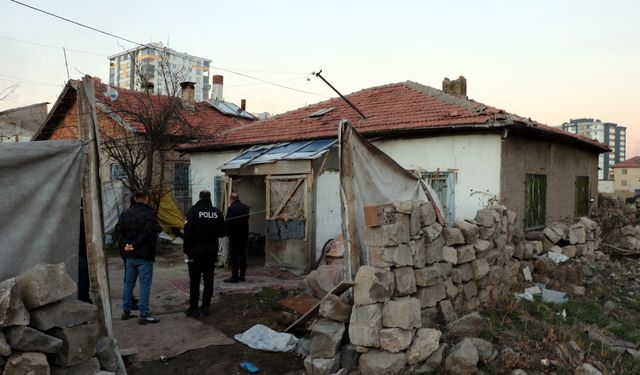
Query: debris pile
x,y
630,241
44,331
581,239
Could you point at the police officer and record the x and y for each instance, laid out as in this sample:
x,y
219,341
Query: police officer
x,y
204,225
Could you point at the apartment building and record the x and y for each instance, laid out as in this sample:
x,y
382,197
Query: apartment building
x,y
613,135
161,68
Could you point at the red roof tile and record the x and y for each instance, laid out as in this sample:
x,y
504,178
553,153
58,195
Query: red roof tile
x,y
634,162
394,108
198,120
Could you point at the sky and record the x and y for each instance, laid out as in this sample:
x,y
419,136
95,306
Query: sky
x,y
548,60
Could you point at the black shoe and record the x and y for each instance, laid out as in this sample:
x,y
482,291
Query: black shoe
x,y
146,319
204,310
231,280
194,313
126,315
241,278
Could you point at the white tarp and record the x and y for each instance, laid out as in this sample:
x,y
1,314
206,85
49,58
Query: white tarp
x,y
114,201
264,338
40,186
370,177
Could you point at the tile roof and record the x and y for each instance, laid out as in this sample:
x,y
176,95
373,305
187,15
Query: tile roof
x,y
405,107
634,162
199,120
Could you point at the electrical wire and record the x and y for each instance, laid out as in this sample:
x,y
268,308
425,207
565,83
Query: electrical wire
x,y
156,48
51,46
269,82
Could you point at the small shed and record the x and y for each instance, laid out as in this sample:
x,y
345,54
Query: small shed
x,y
285,185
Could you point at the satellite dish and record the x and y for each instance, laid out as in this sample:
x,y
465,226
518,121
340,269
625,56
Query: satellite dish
x,y
111,93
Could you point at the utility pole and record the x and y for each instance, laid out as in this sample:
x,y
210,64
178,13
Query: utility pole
x,y
338,92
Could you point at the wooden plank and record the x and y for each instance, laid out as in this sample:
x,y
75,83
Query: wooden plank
x,y
92,201
286,198
92,208
338,290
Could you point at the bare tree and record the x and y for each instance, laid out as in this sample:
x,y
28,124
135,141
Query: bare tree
x,y
151,124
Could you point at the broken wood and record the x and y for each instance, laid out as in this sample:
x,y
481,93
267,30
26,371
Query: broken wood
x,y
338,290
286,199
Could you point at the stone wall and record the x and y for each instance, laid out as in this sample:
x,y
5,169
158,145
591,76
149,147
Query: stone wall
x,y
419,274
421,277
43,330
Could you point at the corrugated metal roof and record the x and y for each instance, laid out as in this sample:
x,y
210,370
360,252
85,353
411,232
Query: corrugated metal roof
x,y
302,150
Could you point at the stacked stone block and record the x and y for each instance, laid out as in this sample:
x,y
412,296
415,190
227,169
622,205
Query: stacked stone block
x,y
44,331
418,274
631,238
421,275
580,239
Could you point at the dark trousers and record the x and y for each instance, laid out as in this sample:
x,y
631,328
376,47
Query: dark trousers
x,y
238,255
201,268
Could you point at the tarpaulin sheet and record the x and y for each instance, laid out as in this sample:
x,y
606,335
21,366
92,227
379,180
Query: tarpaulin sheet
x,y
114,201
41,185
370,177
169,215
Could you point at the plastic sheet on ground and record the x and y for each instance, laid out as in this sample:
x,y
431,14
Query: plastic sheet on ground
x,y
557,258
264,338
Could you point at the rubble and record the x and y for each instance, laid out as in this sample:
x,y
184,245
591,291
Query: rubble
x,y
333,307
462,358
12,309
35,284
326,338
44,332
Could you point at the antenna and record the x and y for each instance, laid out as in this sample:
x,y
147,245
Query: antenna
x,y
66,63
338,92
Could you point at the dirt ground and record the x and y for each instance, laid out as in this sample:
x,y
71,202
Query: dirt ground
x,y
235,308
232,314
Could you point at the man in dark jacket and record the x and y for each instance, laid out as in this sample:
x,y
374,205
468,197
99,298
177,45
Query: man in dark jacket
x,y
138,229
204,225
237,227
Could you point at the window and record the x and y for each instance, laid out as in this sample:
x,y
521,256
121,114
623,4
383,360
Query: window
x,y
117,173
444,185
623,183
624,170
582,195
535,200
181,179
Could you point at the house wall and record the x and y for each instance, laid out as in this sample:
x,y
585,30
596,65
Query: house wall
x,y
560,163
204,167
20,124
474,158
630,176
328,219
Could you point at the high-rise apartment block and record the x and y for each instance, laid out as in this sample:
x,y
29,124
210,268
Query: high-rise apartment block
x,y
162,68
613,135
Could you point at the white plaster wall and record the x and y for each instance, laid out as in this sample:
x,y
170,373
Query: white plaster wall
x,y
328,220
204,167
606,186
475,157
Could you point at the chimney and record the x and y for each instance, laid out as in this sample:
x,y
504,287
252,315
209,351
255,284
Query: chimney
x,y
243,105
216,91
188,91
457,87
